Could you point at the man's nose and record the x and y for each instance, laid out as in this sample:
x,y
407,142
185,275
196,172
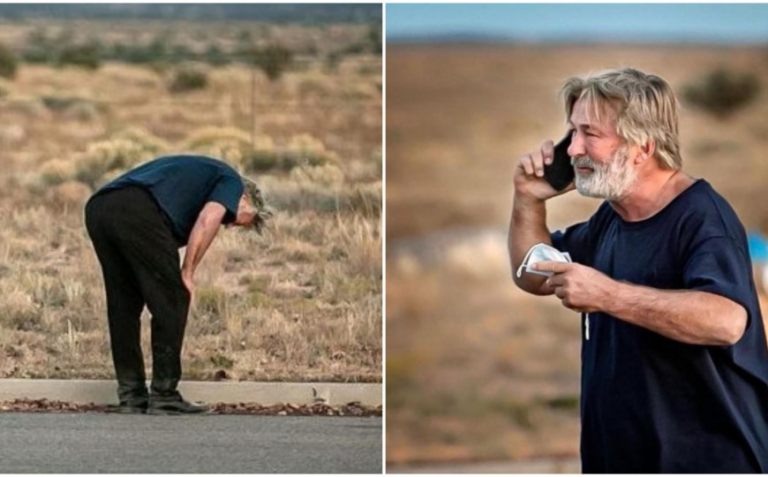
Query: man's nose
x,y
577,149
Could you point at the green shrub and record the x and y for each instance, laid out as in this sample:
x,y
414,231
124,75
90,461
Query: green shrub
x,y
84,56
8,63
273,60
188,79
722,92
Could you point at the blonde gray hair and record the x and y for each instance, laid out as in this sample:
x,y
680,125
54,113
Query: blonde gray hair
x,y
256,197
644,106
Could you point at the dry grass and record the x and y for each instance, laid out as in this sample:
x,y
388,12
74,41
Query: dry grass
x,y
303,302
477,369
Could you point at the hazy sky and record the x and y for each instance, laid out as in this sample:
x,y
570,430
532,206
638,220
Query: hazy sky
x,y
726,23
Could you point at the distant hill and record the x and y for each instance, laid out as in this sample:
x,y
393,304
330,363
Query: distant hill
x,y
271,13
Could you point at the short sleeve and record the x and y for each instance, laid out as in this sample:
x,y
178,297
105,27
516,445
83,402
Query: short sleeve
x,y
574,240
721,266
227,192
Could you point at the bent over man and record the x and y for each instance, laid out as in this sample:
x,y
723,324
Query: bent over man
x,y
674,362
137,223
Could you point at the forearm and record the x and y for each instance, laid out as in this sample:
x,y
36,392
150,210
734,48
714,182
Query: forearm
x,y
688,316
201,237
527,227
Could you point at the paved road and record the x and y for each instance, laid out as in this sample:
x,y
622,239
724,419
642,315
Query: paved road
x,y
109,443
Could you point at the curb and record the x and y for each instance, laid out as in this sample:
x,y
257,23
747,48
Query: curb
x,y
264,393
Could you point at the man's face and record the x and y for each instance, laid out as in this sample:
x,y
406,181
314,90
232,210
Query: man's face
x,y
246,213
599,156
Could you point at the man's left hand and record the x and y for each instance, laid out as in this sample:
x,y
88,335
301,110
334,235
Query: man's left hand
x,y
579,287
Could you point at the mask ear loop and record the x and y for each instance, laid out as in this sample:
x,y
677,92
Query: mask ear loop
x,y
527,257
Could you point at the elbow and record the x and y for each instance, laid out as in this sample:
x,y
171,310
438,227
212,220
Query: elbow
x,y
735,328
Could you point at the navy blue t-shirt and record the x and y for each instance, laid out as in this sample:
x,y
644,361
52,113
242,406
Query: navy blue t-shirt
x,y
182,185
652,404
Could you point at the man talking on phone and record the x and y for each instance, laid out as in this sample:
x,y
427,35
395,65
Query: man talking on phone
x,y
674,361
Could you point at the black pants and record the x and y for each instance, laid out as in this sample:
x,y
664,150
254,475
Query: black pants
x,y
140,261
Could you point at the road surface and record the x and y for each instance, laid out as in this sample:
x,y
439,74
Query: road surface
x,y
113,443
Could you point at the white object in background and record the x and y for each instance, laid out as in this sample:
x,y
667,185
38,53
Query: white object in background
x,y
542,252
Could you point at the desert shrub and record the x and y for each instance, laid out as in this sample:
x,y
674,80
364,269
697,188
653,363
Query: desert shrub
x,y
143,138
84,56
273,60
8,63
39,49
18,312
229,144
311,151
108,156
262,160
56,171
374,40
301,151
365,200
722,92
77,108
188,78
69,195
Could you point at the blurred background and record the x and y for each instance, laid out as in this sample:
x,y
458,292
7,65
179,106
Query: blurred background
x,y
290,94
480,376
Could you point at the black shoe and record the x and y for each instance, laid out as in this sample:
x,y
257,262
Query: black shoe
x,y
173,404
138,406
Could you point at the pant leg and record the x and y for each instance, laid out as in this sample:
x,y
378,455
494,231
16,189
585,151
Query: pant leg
x,y
152,252
124,303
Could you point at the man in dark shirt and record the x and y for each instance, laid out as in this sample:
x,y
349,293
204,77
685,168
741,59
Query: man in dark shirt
x,y
674,361
137,223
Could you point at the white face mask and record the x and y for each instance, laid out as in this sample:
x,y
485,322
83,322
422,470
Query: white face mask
x,y
542,252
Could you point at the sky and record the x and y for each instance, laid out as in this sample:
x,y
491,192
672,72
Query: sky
x,y
696,23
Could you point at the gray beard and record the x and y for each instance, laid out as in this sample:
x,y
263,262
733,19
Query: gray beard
x,y
611,181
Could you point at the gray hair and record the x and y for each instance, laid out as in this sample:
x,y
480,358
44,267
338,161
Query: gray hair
x,y
644,104
256,197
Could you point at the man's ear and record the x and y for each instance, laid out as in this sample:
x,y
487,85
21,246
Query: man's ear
x,y
648,149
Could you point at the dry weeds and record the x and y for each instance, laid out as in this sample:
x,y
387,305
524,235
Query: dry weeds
x,y
301,303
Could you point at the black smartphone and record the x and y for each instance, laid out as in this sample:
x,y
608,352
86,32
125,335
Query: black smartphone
x,y
560,173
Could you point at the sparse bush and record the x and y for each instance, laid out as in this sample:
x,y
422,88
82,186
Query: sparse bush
x,y
302,150
18,312
722,92
56,171
8,63
84,56
310,151
365,200
78,108
229,144
261,160
143,138
273,60
108,156
69,195
188,79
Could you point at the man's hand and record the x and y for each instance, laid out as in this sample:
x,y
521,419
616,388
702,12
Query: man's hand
x,y
579,287
529,174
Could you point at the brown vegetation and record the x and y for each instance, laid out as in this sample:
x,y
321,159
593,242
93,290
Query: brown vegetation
x,y
302,303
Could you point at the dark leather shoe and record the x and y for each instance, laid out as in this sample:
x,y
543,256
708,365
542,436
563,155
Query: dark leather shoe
x,y
173,404
138,406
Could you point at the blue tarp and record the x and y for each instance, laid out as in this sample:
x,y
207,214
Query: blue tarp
x,y
758,247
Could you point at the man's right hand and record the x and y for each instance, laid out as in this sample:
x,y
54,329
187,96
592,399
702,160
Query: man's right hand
x,y
529,174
